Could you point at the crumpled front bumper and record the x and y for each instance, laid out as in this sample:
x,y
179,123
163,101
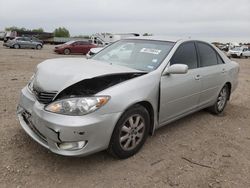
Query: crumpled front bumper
x,y
50,129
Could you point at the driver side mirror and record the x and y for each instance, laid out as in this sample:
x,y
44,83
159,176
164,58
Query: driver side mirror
x,y
176,69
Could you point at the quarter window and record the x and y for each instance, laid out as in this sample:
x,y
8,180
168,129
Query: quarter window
x,y
220,61
185,54
208,56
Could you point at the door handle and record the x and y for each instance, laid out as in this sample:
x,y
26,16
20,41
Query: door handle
x,y
223,71
197,77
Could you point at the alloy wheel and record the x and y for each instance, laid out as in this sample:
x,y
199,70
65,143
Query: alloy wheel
x,y
132,132
221,101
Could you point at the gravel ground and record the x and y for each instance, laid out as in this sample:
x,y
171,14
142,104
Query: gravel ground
x,y
201,150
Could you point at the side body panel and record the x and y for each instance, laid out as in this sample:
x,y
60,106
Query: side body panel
x,y
180,94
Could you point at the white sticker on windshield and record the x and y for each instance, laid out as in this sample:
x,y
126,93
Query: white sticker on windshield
x,y
150,51
150,67
154,60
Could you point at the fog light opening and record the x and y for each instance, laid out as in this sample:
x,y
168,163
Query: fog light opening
x,y
71,146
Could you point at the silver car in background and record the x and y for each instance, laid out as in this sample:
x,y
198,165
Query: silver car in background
x,y
24,42
113,101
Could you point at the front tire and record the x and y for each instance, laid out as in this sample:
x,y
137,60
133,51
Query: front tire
x,y
38,47
221,101
16,46
66,51
130,133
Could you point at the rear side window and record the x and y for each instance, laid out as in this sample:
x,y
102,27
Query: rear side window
x,y
208,56
185,54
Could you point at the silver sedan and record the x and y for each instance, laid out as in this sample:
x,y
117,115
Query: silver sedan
x,y
24,42
113,101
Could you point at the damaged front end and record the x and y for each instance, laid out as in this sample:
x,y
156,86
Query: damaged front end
x,y
89,87
66,132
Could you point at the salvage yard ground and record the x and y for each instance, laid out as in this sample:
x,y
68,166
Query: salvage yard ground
x,y
201,150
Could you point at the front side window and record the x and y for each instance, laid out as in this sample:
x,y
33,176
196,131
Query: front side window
x,y
145,55
83,43
208,56
185,54
220,61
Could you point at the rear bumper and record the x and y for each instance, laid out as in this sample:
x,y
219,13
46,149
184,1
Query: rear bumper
x,y
50,130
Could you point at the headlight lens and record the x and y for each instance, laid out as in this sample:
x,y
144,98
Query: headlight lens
x,y
77,106
31,83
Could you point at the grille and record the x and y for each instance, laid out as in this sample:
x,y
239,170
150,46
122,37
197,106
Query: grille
x,y
44,97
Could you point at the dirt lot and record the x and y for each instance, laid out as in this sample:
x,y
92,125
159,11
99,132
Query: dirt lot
x,y
220,144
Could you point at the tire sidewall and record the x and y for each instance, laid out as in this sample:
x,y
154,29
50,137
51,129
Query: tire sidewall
x,y
38,47
66,51
115,147
16,46
216,104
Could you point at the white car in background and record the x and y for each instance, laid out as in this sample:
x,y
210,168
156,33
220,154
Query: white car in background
x,y
246,53
93,51
237,51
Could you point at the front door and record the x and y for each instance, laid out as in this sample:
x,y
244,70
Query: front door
x,y
180,93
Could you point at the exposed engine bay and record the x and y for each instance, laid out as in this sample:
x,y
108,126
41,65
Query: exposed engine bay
x,y
92,86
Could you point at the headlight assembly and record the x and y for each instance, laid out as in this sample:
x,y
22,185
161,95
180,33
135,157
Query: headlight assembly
x,y
77,106
31,83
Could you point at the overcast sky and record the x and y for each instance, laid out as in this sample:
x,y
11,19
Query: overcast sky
x,y
209,19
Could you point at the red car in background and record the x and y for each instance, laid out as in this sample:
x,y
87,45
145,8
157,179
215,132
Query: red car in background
x,y
76,47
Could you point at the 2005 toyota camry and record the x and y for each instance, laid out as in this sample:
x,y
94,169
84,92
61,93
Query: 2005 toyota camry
x,y
113,101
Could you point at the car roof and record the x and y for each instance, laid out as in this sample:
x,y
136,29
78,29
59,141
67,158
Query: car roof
x,y
168,38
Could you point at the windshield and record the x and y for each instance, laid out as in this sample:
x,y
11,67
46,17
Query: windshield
x,y
145,55
237,48
70,42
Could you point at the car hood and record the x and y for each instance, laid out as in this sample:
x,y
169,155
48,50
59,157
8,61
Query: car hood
x,y
58,74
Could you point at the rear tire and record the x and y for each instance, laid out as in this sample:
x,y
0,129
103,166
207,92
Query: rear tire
x,y
130,133
16,46
221,101
66,51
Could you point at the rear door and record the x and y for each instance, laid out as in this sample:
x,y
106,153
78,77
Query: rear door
x,y
180,93
212,71
85,47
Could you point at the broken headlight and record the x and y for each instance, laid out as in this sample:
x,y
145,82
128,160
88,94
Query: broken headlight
x,y
77,106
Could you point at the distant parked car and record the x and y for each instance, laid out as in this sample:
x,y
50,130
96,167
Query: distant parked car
x,y
237,51
23,42
78,47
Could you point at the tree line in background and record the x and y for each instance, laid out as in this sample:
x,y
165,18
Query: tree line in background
x,y
58,32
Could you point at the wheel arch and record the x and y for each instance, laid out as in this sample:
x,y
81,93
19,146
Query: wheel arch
x,y
148,106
